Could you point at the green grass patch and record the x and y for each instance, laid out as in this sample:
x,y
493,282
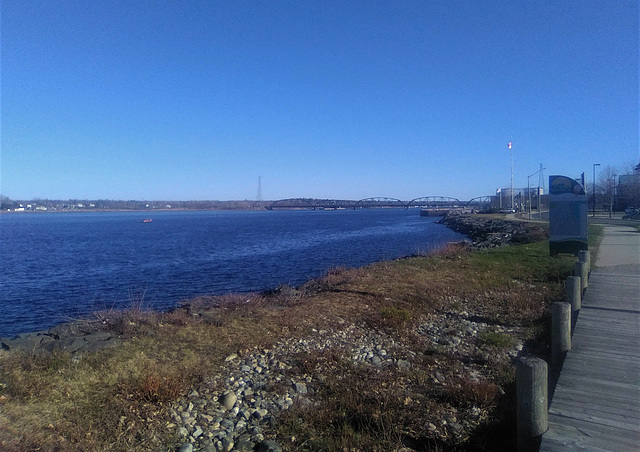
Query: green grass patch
x,y
497,339
395,316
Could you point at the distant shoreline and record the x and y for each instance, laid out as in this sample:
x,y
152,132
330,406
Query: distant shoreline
x,y
229,209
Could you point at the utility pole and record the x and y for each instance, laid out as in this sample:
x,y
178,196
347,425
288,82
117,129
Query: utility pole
x,y
539,195
529,190
613,192
259,197
594,188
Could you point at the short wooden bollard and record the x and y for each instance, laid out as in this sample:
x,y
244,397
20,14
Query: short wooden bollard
x,y
532,399
574,293
580,270
585,256
560,333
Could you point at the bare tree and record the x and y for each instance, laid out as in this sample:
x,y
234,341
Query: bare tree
x,y
607,180
5,202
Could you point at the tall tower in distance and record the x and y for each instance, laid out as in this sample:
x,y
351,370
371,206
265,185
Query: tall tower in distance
x,y
259,197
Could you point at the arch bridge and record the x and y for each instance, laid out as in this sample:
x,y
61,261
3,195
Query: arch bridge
x,y
480,202
425,202
379,202
311,203
440,202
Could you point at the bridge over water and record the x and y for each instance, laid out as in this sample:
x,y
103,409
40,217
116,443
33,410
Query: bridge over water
x,y
425,202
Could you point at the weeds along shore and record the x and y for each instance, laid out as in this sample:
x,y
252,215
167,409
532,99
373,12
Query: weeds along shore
x,y
411,354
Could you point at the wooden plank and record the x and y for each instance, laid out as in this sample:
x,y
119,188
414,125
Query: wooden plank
x,y
596,429
563,437
598,366
626,318
625,345
571,394
614,347
616,350
616,434
597,411
617,362
594,354
601,372
587,385
589,438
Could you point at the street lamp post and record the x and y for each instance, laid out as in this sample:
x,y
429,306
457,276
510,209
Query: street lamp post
x,y
529,190
511,152
613,191
594,188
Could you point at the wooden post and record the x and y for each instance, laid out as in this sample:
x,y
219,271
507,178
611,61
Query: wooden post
x,y
560,333
585,256
580,270
532,400
574,292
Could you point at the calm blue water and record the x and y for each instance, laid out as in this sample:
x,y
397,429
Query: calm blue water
x,y
55,266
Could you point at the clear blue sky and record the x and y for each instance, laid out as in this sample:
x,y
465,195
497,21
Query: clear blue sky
x,y
340,99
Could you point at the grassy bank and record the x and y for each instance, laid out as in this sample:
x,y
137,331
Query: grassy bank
x,y
457,317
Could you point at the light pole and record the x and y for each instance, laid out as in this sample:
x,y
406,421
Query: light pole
x,y
594,188
613,191
511,151
529,190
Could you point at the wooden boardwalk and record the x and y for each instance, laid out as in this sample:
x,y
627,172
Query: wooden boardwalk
x,y
596,404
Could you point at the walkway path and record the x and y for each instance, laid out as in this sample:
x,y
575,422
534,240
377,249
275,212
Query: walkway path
x,y
596,404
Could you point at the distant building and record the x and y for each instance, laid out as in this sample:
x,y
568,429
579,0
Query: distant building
x,y
628,190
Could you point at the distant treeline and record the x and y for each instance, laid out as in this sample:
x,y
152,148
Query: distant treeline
x,y
109,204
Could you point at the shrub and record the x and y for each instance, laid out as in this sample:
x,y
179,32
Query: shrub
x,y
464,391
496,339
395,317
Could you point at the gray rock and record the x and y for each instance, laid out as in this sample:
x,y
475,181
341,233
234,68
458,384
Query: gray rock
x,y
231,357
182,432
227,443
404,364
186,448
248,393
227,424
305,403
260,413
228,399
301,388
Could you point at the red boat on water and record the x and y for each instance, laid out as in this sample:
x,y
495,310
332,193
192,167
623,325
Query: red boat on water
x,y
147,220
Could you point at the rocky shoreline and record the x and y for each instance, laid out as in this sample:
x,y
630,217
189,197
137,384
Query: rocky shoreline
x,y
486,232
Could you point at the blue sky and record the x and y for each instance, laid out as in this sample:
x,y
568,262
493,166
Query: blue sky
x,y
339,99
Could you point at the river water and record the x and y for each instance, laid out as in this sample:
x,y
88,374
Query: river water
x,y
57,266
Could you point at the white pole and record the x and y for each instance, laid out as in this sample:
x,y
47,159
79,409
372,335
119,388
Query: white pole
x,y
511,150
529,193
